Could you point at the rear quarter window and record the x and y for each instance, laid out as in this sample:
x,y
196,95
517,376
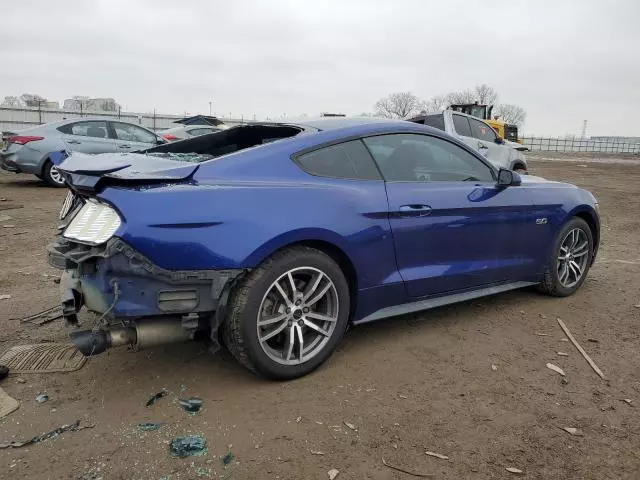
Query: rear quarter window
x,y
435,121
461,124
349,160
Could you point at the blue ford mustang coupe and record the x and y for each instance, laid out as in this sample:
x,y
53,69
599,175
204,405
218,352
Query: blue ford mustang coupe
x,y
275,237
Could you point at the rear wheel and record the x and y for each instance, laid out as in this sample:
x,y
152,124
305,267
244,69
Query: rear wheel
x,y
52,175
571,260
288,315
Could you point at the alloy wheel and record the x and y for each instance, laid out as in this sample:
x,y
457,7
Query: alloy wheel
x,y
297,316
573,257
56,176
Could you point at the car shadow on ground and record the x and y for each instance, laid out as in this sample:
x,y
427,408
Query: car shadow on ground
x,y
190,363
30,182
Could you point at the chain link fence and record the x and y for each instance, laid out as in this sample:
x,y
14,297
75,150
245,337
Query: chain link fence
x,y
565,145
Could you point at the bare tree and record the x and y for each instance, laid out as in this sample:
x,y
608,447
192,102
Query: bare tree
x,y
12,102
436,104
463,96
510,113
31,100
486,95
398,105
107,104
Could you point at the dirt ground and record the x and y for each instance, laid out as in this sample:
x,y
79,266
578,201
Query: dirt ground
x,y
407,385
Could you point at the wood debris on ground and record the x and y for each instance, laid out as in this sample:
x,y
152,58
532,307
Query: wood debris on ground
x,y
555,368
563,354
573,431
513,470
580,349
333,473
437,455
408,472
350,426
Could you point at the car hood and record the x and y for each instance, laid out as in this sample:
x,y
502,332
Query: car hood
x,y
84,171
534,179
515,146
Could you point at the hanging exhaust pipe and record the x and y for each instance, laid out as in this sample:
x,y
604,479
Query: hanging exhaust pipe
x,y
148,333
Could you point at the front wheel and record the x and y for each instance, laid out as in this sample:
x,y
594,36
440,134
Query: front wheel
x,y
288,315
571,260
52,175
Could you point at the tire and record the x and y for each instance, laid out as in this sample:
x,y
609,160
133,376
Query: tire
x,y
257,294
552,283
51,175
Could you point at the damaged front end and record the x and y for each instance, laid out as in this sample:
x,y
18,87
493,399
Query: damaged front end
x,y
136,301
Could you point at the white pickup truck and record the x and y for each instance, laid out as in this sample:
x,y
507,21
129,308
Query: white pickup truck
x,y
478,135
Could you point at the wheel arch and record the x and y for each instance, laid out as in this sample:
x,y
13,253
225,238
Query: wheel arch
x,y
518,165
324,241
43,162
589,215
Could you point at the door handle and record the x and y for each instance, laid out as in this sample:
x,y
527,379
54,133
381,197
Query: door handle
x,y
124,146
417,210
76,142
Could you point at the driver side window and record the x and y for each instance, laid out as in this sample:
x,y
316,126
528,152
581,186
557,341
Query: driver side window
x,y
482,131
422,158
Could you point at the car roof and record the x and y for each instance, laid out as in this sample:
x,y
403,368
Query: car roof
x,y
185,128
332,123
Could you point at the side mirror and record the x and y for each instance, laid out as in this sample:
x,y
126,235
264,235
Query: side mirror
x,y
508,178
160,141
499,140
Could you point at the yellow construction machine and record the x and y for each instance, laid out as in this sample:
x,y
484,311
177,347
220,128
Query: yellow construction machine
x,y
505,130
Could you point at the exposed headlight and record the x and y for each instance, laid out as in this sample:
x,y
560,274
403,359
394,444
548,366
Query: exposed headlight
x,y
95,223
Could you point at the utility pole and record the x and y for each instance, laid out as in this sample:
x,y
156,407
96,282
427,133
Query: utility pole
x,y
210,108
40,111
154,119
584,129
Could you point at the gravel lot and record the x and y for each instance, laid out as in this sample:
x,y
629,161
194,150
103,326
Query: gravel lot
x,y
406,385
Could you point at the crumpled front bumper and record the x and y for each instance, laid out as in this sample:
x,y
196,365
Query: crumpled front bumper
x,y
115,280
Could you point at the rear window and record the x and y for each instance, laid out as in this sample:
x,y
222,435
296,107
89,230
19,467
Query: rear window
x,y
227,141
350,160
435,121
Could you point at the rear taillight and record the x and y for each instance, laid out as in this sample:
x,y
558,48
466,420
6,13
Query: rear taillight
x,y
23,140
169,137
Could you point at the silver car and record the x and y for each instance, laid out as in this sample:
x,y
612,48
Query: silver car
x,y
29,151
478,135
188,131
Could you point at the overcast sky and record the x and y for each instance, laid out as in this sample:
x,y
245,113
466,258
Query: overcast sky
x,y
563,61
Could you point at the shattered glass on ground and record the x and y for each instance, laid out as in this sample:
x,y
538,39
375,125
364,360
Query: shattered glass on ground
x,y
189,446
